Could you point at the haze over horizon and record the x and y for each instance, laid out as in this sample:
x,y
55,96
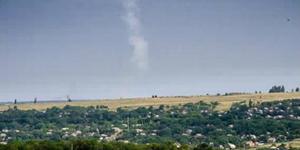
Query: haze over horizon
x,y
132,48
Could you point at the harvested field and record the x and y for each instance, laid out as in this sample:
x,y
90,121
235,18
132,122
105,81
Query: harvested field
x,y
225,101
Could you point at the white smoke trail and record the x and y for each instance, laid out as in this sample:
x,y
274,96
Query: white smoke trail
x,y
136,39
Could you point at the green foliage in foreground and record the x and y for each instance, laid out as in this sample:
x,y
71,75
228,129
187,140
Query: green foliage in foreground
x,y
94,145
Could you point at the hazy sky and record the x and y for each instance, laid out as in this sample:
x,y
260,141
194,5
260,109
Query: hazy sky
x,y
128,48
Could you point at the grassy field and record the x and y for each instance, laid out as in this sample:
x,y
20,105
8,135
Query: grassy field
x,y
225,101
294,143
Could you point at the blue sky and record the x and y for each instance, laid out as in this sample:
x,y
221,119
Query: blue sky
x,y
83,48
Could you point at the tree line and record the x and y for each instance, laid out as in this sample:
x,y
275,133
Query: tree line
x,y
95,145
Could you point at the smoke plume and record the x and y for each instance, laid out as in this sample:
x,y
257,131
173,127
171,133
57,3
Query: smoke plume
x,y
136,39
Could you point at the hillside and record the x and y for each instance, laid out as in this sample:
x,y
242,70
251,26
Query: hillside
x,y
224,101
244,124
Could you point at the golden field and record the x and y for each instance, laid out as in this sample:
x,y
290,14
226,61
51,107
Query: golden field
x,y
224,101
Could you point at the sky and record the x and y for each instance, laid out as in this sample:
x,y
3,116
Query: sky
x,y
94,49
